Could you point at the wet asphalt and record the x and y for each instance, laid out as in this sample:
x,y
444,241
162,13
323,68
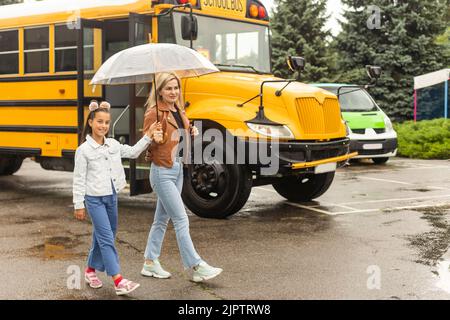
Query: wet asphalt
x,y
380,232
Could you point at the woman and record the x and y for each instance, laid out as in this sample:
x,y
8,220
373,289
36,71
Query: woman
x,y
166,178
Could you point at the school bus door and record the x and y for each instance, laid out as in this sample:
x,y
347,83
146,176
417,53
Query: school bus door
x,y
139,33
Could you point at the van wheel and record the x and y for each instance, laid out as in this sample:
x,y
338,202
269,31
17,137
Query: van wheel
x,y
10,165
380,160
304,188
216,190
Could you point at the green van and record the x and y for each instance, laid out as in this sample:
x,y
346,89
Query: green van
x,y
371,132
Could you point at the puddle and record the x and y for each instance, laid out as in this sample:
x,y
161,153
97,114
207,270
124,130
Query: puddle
x,y
432,245
56,248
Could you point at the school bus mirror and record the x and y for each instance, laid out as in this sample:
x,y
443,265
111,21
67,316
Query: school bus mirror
x,y
374,72
296,63
189,27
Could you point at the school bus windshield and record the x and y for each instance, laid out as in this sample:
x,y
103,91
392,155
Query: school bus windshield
x,y
230,44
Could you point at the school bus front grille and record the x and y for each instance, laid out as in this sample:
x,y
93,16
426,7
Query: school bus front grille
x,y
317,118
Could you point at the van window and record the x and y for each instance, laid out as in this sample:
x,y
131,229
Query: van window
x,y
36,50
355,100
9,52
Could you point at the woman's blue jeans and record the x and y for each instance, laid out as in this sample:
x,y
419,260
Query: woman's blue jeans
x,y
168,183
103,254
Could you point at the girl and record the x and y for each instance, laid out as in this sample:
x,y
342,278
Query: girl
x,y
97,178
166,179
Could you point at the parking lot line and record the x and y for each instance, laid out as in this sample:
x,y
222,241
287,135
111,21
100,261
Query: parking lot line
x,y
385,180
396,199
309,208
401,182
423,206
388,170
354,210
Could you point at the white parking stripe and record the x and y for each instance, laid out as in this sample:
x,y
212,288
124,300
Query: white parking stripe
x,y
385,180
261,188
354,210
423,206
332,204
397,199
349,170
308,208
401,182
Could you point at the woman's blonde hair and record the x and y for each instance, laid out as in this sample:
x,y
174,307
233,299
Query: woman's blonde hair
x,y
161,81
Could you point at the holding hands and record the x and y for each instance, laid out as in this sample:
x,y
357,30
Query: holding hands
x,y
194,130
155,132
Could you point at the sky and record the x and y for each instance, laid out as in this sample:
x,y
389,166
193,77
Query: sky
x,y
334,8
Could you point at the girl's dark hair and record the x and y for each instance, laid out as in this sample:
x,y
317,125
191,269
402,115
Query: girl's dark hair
x,y
94,109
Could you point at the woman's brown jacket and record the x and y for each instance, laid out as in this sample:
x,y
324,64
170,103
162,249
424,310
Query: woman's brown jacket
x,y
163,154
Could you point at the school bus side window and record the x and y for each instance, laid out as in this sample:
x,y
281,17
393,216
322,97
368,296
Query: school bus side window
x,y
9,52
65,48
36,50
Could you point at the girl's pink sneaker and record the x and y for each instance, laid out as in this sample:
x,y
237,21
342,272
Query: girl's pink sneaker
x,y
93,280
125,287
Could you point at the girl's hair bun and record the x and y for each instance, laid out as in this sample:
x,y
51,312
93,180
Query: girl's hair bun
x,y
93,105
105,105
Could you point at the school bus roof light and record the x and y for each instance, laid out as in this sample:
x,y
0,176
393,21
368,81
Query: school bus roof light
x,y
192,2
254,12
262,13
257,11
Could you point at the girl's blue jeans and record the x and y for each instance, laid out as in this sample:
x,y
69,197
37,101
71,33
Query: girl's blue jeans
x,y
168,183
103,254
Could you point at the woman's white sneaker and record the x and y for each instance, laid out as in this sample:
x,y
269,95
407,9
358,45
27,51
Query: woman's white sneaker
x,y
155,270
204,272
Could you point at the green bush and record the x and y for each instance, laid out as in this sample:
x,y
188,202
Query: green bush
x,y
426,139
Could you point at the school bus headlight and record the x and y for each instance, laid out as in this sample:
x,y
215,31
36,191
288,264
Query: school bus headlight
x,y
271,131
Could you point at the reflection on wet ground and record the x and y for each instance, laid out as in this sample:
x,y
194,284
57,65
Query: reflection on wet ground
x,y
395,216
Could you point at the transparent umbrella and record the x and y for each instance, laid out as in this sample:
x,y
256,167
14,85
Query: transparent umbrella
x,y
140,64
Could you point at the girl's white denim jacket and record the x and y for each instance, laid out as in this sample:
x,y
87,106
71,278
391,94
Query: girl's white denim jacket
x,y
96,166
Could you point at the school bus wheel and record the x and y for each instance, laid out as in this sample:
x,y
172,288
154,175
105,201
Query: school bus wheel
x,y
9,165
304,187
216,190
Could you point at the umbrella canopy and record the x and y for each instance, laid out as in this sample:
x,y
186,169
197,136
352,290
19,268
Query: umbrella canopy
x,y
139,64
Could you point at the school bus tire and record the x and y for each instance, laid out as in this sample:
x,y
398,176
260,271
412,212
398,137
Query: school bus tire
x,y
304,188
10,165
238,184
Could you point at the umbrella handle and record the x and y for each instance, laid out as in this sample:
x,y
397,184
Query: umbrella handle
x,y
156,99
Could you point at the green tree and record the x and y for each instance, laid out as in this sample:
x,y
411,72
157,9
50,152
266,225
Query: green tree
x,y
401,39
298,30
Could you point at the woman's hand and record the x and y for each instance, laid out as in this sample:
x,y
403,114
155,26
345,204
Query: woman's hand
x,y
80,214
158,135
154,128
194,131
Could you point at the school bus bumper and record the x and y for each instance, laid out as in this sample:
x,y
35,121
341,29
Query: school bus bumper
x,y
303,156
302,165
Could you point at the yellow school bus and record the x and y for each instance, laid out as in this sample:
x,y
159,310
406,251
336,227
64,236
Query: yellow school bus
x,y
49,51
